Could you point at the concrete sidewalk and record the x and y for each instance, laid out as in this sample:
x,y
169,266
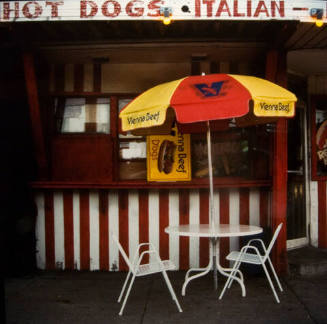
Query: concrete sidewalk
x,y
77,297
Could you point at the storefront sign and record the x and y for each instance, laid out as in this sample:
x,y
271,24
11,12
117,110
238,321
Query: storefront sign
x,y
11,11
168,158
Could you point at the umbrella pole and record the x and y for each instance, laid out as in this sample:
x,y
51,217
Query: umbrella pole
x,y
212,208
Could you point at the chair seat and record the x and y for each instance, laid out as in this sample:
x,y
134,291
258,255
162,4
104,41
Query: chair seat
x,y
155,267
247,257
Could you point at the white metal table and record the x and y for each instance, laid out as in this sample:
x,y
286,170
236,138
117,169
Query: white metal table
x,y
214,233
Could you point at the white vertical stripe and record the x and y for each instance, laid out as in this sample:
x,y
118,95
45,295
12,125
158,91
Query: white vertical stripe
x,y
58,207
133,222
113,228
88,78
69,78
76,217
154,219
216,204
234,215
40,231
314,213
254,208
194,219
173,221
94,231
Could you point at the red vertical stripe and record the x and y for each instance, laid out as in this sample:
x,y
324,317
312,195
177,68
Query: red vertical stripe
x,y
78,77
59,77
103,230
97,77
244,206
123,226
184,242
322,224
85,230
69,230
49,230
224,219
144,219
204,219
264,207
163,223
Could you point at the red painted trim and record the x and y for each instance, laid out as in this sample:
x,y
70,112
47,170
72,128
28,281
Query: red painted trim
x,y
184,218
244,206
204,219
194,184
49,231
68,229
97,77
264,215
104,230
78,77
144,219
35,115
84,230
224,219
163,223
322,216
123,226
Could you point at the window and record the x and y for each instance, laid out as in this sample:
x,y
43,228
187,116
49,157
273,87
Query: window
x,y
82,115
319,137
237,152
132,152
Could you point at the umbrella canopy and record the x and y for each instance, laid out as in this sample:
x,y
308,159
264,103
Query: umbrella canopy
x,y
206,98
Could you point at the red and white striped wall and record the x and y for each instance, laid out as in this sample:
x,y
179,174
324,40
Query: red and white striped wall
x,y
73,227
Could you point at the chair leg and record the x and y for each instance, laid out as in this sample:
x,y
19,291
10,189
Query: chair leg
x,y
230,279
235,272
127,294
270,282
171,290
275,275
124,286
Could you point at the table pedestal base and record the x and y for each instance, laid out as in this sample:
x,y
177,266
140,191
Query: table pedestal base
x,y
215,266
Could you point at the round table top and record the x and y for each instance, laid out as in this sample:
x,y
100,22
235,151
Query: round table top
x,y
206,230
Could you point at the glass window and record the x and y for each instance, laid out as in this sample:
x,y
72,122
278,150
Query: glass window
x,y
240,152
132,152
82,115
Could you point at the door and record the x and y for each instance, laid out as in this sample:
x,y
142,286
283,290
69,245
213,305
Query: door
x,y
297,227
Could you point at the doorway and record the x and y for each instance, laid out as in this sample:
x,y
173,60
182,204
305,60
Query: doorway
x,y
297,227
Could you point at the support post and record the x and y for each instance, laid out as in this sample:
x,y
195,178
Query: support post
x,y
34,112
276,72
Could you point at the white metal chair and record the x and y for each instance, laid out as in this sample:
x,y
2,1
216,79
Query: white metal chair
x,y
136,269
254,258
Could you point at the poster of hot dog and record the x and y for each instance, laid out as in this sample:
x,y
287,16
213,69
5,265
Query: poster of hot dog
x,y
168,157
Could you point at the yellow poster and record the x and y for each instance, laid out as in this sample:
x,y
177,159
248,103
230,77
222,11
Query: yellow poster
x,y
169,157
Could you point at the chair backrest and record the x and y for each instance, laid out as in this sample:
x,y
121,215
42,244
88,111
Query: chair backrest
x,y
122,251
272,242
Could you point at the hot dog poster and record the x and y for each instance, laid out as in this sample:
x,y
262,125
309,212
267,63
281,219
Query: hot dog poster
x,y
169,157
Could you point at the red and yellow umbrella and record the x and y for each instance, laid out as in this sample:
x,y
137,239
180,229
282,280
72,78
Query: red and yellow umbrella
x,y
207,98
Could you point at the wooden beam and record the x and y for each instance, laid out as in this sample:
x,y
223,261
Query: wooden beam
x,y
276,72
35,116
